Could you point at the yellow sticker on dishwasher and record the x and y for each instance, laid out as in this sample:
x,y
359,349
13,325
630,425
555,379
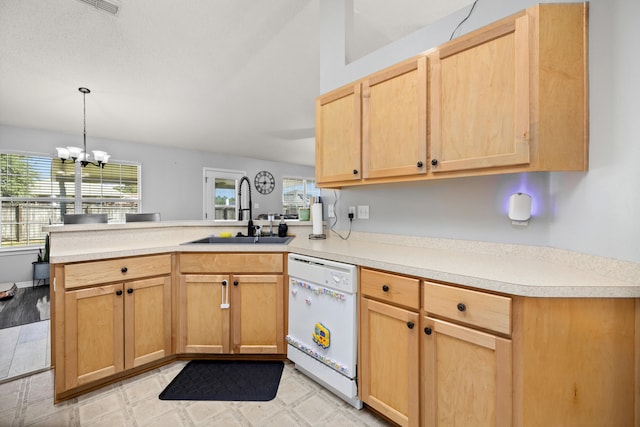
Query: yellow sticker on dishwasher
x,y
322,335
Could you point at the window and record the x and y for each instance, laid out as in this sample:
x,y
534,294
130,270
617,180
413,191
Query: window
x,y
297,193
38,190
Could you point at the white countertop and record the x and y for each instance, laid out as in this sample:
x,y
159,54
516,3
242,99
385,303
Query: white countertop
x,y
511,269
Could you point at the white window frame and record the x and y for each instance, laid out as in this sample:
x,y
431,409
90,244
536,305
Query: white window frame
x,y
51,199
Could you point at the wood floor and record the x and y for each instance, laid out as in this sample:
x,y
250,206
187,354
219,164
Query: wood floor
x,y
29,305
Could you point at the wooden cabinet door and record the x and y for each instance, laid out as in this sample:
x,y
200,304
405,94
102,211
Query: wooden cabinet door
x,y
467,376
93,346
257,304
394,121
204,317
389,361
338,135
480,99
147,320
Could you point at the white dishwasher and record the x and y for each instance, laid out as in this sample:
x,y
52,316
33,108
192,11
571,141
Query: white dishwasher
x,y
323,327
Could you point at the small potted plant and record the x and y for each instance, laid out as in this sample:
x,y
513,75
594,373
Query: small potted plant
x,y
41,266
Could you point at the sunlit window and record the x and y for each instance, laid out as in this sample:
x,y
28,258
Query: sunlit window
x,y
297,193
39,190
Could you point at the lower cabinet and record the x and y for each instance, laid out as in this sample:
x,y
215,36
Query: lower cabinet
x,y
231,303
115,327
466,364
389,346
231,314
466,376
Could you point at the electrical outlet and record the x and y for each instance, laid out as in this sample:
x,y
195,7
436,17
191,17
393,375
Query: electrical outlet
x,y
352,211
331,213
363,211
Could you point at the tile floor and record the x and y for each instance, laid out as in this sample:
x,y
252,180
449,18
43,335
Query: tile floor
x,y
28,401
24,349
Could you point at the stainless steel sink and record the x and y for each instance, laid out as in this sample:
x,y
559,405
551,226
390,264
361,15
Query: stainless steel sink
x,y
243,240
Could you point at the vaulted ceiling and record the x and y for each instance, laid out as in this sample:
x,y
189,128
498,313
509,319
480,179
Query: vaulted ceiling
x,y
229,76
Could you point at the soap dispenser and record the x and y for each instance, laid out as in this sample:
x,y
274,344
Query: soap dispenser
x,y
282,228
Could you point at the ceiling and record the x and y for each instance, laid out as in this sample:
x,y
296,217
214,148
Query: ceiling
x,y
227,76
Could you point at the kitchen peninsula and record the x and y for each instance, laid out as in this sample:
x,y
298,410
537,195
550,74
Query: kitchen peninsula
x,y
558,331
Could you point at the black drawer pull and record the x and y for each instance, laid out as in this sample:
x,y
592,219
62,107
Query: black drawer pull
x,y
124,269
130,290
428,331
385,288
461,307
235,283
410,325
119,292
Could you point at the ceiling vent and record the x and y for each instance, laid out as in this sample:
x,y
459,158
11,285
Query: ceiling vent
x,y
112,6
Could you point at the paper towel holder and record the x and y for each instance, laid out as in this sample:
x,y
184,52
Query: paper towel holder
x,y
316,219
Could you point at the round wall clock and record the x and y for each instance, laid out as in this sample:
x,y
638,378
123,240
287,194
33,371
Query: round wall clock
x,y
264,182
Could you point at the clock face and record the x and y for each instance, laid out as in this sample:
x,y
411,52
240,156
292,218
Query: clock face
x,y
264,182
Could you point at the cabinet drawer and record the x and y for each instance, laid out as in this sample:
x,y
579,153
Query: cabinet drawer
x,y
389,287
231,263
487,311
114,270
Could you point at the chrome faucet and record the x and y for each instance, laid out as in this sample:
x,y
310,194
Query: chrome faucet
x,y
250,229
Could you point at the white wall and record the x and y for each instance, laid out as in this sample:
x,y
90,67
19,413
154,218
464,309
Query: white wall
x,y
592,212
600,212
172,179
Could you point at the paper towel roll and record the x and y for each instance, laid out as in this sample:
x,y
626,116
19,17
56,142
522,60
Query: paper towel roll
x,y
316,216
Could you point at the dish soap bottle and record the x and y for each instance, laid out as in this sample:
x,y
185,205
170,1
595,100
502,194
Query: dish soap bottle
x,y
282,228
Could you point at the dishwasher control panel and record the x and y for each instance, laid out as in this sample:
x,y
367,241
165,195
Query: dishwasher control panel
x,y
332,274
338,280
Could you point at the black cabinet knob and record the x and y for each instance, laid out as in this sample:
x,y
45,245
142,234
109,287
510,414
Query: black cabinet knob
x,y
235,283
124,269
355,171
419,164
427,331
434,162
119,292
461,307
385,288
225,283
130,290
410,325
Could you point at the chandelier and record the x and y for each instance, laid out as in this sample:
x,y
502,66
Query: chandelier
x,y
77,153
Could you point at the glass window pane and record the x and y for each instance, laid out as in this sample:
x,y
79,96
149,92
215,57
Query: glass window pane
x,y
225,198
38,190
296,193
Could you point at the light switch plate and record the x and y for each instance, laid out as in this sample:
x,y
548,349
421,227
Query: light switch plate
x,y
363,211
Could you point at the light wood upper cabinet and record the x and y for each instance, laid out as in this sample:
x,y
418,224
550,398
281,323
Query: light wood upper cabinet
x,y
480,99
394,120
509,97
339,135
512,95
